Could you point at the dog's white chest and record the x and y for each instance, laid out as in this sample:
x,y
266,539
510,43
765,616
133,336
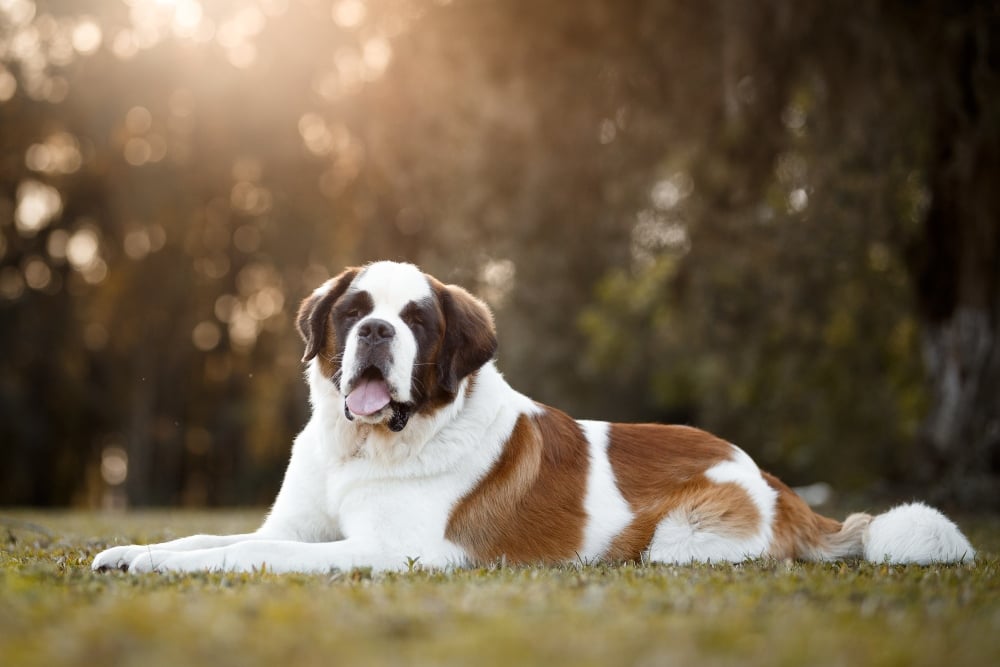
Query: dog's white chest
x,y
411,510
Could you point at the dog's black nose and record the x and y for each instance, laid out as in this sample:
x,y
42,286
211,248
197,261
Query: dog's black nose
x,y
374,332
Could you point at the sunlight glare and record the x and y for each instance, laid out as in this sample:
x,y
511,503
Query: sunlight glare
x,y
377,54
87,36
273,7
349,13
187,18
18,12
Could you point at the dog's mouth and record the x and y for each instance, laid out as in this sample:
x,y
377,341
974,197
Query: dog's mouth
x,y
371,397
370,393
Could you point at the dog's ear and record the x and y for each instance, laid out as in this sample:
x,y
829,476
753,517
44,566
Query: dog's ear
x,y
313,320
470,338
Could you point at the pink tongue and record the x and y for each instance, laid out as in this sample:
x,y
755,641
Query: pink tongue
x,y
368,397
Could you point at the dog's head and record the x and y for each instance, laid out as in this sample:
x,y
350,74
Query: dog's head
x,y
394,341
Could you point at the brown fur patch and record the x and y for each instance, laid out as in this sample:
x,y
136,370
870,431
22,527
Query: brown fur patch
x,y
800,533
529,506
314,325
327,355
660,469
470,338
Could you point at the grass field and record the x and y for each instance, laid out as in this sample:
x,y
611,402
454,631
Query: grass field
x,y
55,611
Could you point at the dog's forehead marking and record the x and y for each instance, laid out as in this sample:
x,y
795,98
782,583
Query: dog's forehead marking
x,y
392,285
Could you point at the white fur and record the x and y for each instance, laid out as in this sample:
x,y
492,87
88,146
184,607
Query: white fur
x,y
680,539
608,512
916,533
391,286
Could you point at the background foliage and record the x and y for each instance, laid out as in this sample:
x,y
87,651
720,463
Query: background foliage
x,y
774,220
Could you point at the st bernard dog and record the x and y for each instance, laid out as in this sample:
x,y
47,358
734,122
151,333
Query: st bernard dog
x,y
418,451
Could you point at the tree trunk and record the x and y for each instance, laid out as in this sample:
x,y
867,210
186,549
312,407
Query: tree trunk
x,y
958,276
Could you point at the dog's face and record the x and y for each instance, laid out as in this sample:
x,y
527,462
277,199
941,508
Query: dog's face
x,y
393,341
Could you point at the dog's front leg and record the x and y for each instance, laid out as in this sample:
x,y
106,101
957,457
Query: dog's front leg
x,y
287,556
122,557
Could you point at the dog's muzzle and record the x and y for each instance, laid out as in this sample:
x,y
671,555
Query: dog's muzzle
x,y
369,393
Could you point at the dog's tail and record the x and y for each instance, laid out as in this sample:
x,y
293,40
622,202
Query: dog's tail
x,y
910,533
915,533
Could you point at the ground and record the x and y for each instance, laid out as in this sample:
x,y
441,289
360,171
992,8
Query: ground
x,y
55,611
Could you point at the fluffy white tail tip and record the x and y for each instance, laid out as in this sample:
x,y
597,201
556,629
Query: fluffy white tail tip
x,y
916,533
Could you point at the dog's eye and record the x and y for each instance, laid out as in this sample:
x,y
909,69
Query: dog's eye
x,y
352,314
413,320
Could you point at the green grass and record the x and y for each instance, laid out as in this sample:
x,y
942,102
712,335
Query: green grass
x,y
55,611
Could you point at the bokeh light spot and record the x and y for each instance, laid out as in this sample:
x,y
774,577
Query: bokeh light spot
x,y
137,244
37,205
243,329
58,154
125,45
798,200
497,277
224,307
138,120
37,273
138,151
349,13
82,248
206,336
87,36
114,466
377,54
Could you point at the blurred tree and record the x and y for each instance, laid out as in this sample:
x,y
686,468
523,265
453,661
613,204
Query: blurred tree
x,y
956,258
872,210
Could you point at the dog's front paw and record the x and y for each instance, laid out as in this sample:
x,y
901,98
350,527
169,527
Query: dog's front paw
x,y
117,558
150,561
210,560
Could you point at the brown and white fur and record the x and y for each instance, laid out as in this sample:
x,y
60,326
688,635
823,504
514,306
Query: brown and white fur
x,y
418,449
